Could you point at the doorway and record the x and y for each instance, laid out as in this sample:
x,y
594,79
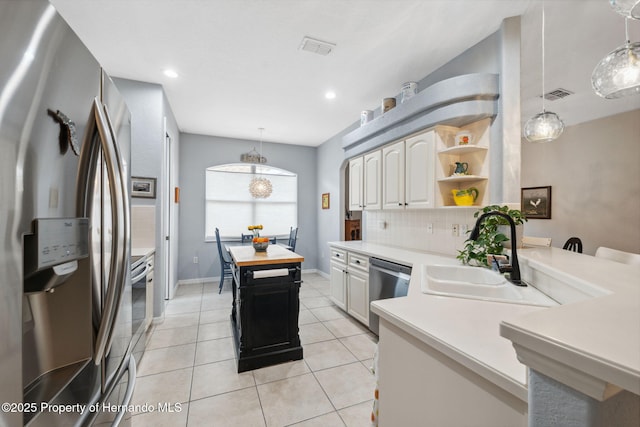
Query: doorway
x,y
167,215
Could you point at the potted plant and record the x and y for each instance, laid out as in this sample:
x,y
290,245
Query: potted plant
x,y
491,238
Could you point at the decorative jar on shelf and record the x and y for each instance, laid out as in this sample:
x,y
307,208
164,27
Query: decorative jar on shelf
x,y
465,197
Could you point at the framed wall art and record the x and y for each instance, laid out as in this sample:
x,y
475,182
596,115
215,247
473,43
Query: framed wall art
x,y
536,202
325,200
143,187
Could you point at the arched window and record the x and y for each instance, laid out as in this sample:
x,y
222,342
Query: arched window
x,y
230,207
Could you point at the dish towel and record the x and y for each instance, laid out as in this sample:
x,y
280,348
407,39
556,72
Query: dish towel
x,y
374,410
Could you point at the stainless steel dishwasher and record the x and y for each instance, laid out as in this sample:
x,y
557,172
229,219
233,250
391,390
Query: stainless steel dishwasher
x,y
386,280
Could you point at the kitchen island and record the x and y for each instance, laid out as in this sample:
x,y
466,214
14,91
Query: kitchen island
x,y
264,316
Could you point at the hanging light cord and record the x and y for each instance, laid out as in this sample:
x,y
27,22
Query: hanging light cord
x,y
543,107
261,130
626,30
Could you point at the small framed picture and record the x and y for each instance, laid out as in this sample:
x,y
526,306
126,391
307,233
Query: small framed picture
x,y
143,187
325,200
536,202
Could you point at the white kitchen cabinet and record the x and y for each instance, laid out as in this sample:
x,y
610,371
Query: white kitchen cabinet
x,y
365,180
420,171
356,184
338,278
408,173
349,283
393,176
358,287
372,180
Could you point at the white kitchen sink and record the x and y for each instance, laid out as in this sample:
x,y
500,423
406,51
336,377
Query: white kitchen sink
x,y
478,283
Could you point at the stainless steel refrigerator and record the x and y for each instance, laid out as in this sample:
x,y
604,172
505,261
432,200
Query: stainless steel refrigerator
x,y
65,291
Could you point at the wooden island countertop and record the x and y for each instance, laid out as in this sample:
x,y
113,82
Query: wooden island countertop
x,y
244,256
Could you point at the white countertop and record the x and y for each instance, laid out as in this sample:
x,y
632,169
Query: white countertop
x,y
603,329
598,336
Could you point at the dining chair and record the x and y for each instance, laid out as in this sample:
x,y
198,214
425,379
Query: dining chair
x,y
293,237
225,262
618,256
573,244
247,238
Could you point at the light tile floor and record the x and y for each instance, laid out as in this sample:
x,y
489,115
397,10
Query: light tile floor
x,y
190,361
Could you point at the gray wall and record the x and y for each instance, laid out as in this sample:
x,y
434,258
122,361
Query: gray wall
x,y
331,166
595,179
149,107
197,152
484,57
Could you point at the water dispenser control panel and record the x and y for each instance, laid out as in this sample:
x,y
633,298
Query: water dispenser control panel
x,y
52,250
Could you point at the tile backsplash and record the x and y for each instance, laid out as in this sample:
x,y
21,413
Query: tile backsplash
x,y
143,226
410,229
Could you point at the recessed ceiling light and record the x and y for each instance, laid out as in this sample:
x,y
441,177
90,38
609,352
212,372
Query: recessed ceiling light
x,y
170,73
330,95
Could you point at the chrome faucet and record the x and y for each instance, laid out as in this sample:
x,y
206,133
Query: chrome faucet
x,y
514,268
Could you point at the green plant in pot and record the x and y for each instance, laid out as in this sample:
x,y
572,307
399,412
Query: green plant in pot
x,y
491,238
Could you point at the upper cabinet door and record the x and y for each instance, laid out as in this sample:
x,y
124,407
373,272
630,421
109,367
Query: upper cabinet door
x,y
393,176
356,183
420,173
373,180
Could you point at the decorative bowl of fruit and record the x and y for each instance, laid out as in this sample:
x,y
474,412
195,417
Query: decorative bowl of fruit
x,y
260,244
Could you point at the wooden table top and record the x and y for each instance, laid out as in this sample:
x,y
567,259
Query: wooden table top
x,y
246,256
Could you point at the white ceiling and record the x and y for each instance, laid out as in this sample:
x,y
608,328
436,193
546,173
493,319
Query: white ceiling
x,y
240,67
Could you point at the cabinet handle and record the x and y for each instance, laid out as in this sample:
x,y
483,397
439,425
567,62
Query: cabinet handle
x,y
406,204
357,261
399,204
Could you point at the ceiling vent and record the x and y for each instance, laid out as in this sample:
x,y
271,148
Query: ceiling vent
x,y
316,46
557,94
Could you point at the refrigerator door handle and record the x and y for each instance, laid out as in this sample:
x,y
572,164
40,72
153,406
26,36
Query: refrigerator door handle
x,y
124,237
89,155
128,393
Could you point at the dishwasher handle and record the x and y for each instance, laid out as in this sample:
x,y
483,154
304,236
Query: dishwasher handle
x,y
398,274
389,267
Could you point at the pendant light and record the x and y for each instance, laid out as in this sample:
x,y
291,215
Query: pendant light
x,y
618,74
259,187
545,126
627,8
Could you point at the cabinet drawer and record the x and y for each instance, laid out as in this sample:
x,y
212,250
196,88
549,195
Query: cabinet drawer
x,y
338,255
358,261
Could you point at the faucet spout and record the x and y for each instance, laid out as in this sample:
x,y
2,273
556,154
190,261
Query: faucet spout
x,y
514,273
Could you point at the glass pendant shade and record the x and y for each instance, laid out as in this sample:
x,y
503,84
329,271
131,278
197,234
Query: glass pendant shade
x,y
627,8
618,74
543,127
260,188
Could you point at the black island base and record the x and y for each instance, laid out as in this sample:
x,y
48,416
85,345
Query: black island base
x,y
264,317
